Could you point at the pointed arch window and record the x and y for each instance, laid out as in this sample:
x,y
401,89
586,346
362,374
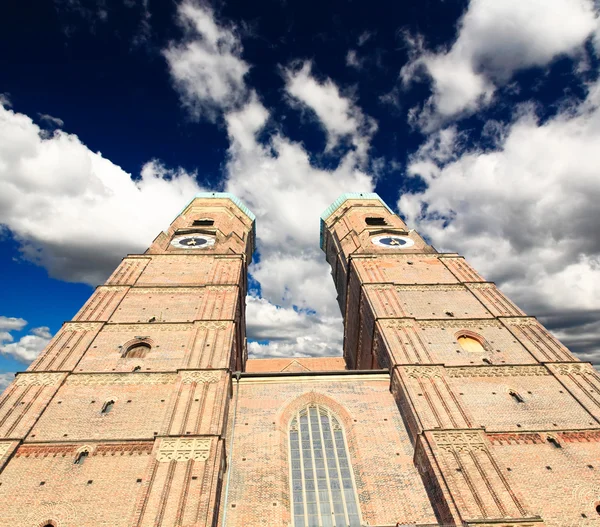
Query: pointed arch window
x,y
323,489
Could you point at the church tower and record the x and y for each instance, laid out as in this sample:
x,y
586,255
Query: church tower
x,y
450,407
121,421
504,420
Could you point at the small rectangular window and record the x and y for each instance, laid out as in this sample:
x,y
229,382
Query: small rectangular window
x,y
375,221
203,223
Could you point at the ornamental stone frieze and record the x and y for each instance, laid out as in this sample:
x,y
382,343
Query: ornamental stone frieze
x,y
519,321
430,287
460,323
81,326
183,450
496,371
38,379
143,328
573,368
115,379
189,377
424,372
4,447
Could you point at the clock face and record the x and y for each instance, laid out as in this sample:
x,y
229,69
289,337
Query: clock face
x,y
193,241
392,241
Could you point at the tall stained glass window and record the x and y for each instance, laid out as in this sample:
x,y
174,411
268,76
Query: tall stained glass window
x,y
323,491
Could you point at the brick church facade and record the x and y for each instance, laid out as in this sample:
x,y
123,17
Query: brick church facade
x,y
450,405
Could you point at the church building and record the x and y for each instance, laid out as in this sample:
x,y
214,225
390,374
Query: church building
x,y
449,407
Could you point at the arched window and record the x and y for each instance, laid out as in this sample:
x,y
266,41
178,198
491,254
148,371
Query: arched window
x,y
470,344
137,350
108,406
323,492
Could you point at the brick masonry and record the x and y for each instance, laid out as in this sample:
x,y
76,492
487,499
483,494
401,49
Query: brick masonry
x,y
144,410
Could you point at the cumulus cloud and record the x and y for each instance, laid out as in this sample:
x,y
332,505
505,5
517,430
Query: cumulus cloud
x,y
67,205
339,114
525,213
495,39
206,65
287,332
12,323
5,379
27,348
51,121
275,178
287,194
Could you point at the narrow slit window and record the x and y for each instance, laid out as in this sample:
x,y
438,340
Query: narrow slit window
x,y
204,223
516,396
108,406
81,457
554,442
323,490
375,221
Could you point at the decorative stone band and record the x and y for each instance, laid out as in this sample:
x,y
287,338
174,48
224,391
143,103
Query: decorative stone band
x,y
398,322
4,449
459,438
573,368
45,450
461,323
496,371
529,522
432,287
527,438
115,378
424,372
212,324
189,377
481,285
82,326
143,328
39,379
183,450
519,321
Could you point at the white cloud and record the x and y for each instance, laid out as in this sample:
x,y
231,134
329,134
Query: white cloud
x,y
287,194
353,60
28,347
12,323
5,379
206,66
289,332
525,214
338,114
73,211
494,40
51,121
364,37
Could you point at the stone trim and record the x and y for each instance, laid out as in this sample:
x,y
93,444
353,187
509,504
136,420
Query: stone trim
x,y
496,371
123,378
38,379
183,450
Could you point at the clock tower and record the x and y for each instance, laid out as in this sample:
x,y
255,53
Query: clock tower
x,y
122,418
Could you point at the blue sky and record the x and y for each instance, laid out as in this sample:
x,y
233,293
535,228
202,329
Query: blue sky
x,y
478,121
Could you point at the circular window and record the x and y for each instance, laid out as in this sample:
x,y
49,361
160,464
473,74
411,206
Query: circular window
x,y
193,241
391,241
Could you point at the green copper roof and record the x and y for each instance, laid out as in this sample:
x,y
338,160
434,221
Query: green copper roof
x,y
224,195
340,201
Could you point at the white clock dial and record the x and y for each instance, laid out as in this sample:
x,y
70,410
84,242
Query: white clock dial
x,y
392,241
193,241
